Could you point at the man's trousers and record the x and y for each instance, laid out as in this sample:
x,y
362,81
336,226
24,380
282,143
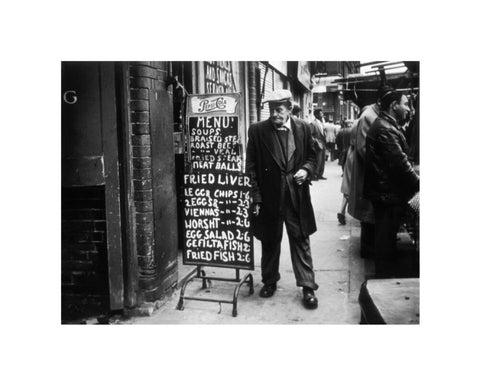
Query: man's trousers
x,y
387,224
299,249
367,240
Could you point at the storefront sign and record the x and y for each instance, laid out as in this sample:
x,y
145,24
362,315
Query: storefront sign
x,y
219,77
206,104
217,193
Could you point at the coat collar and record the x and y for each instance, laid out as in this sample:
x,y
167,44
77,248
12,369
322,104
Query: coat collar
x,y
270,138
390,119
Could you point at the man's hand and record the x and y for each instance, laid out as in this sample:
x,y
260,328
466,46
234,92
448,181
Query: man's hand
x,y
256,209
300,176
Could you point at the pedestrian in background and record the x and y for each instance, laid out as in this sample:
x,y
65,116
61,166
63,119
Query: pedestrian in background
x,y
280,162
319,143
390,180
296,110
330,138
342,141
347,162
336,129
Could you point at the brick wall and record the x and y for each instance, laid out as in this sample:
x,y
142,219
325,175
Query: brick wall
x,y
84,252
253,102
143,77
141,81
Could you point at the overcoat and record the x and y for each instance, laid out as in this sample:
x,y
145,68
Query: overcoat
x,y
389,177
268,170
359,207
347,170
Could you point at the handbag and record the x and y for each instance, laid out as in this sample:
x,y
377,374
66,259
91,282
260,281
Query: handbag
x,y
414,203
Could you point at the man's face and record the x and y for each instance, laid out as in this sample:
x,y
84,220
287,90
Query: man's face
x,y
402,110
279,113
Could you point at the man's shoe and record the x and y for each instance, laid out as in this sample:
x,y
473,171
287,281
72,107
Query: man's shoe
x,y
309,299
268,290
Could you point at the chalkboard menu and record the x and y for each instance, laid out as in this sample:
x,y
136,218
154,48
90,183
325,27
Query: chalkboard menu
x,y
214,143
216,191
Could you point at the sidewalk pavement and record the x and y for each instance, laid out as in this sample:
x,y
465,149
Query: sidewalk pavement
x,y
338,268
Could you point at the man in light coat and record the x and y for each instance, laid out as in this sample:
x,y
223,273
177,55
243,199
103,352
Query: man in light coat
x,y
359,207
330,138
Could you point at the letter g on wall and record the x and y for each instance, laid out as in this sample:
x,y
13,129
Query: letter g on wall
x,y
70,97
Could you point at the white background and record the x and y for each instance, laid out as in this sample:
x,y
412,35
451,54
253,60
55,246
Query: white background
x,y
37,36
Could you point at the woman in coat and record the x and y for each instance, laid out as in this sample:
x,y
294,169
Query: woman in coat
x,y
347,171
359,207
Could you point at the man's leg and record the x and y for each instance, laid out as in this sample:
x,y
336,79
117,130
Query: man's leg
x,y
301,259
387,222
367,240
302,263
330,149
300,251
321,168
271,245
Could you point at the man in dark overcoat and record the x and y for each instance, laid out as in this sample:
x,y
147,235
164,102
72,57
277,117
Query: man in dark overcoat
x,y
280,161
390,180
